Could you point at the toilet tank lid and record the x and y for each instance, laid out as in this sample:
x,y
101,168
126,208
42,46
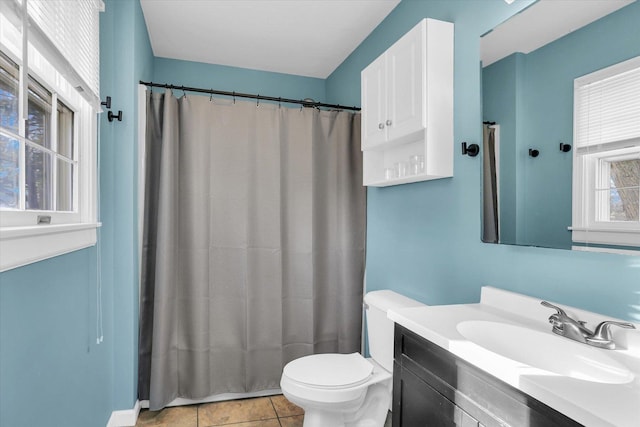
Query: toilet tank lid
x,y
386,299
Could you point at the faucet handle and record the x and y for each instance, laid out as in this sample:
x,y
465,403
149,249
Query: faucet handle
x,y
560,311
556,319
603,332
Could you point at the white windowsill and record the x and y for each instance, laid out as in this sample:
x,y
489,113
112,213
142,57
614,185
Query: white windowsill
x,y
20,246
620,237
605,250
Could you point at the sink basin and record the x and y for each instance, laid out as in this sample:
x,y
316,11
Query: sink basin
x,y
546,351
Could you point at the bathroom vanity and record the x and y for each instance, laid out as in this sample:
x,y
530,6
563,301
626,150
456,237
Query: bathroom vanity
x,y
497,363
428,380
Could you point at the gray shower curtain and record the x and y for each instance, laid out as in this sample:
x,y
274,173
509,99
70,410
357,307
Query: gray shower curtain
x,y
253,249
490,220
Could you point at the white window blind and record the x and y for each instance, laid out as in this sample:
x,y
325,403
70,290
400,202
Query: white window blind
x,y
608,105
66,32
73,27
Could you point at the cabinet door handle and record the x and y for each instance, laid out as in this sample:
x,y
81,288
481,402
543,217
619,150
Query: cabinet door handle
x,y
388,122
380,126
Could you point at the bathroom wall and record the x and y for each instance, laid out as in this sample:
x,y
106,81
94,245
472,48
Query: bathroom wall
x,y
220,77
542,82
125,58
424,238
52,371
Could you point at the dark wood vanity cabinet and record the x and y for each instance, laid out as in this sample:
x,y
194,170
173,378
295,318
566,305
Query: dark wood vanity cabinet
x,y
434,388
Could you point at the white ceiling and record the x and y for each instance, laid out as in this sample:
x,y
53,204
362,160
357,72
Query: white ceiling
x,y
541,23
303,37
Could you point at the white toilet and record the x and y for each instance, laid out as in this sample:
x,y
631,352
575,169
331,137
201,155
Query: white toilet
x,y
347,390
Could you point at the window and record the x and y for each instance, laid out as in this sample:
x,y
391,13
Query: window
x,y
606,190
9,147
48,128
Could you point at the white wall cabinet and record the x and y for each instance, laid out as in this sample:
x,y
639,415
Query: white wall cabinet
x,y
407,108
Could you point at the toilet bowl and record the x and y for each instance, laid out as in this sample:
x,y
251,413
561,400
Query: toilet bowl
x,y
348,390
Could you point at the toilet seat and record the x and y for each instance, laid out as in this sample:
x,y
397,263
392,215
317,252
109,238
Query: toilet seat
x,y
330,371
332,394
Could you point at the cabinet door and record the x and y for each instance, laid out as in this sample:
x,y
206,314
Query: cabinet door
x,y
406,80
374,103
419,405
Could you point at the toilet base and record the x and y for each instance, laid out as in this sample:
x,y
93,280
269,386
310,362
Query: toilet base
x,y
372,412
319,418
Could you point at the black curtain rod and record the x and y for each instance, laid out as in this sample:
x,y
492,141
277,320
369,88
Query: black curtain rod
x,y
304,103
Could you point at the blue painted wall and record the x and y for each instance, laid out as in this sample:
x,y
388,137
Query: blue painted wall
x,y
52,372
220,77
544,85
126,58
424,238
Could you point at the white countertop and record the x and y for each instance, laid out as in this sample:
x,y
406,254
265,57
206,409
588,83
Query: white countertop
x,y
590,403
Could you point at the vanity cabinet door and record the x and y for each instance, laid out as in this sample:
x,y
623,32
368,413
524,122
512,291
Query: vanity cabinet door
x,y
419,405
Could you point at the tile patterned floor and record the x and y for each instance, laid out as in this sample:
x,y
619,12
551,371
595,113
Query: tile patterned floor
x,y
274,411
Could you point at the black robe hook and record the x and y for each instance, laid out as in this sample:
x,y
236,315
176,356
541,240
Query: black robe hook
x,y
472,150
111,116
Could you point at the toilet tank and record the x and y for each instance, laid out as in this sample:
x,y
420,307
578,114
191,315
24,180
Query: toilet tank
x,y
380,327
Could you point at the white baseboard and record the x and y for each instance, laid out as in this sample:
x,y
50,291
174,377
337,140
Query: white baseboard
x,y
125,418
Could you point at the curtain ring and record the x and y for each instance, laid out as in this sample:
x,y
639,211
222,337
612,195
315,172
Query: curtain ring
x,y
279,102
258,101
184,94
211,95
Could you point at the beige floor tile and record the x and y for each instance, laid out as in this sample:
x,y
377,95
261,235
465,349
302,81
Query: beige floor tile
x,y
284,408
266,423
181,416
235,411
292,421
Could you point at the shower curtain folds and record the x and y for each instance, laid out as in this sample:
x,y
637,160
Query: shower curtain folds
x,y
253,250
490,214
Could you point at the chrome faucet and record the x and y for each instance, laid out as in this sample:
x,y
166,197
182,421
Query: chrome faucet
x,y
602,335
576,330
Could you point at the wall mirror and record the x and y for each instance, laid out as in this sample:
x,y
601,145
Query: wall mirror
x,y
529,64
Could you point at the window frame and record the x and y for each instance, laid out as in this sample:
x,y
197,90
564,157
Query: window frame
x,y
587,227
22,239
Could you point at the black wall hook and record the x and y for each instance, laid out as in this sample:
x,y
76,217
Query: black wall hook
x,y
533,152
107,103
112,116
565,148
472,150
